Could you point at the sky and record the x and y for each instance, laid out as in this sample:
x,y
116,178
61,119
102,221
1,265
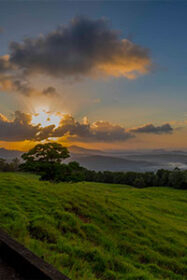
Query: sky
x,y
99,74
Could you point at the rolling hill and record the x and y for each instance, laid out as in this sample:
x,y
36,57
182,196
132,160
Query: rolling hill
x,y
92,231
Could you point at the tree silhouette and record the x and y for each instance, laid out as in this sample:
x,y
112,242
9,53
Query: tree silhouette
x,y
50,152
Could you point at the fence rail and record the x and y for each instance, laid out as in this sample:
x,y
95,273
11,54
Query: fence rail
x,y
17,262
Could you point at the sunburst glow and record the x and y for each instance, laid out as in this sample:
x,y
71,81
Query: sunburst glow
x,y
44,117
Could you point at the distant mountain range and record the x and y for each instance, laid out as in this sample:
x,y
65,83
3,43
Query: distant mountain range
x,y
80,150
129,160
9,154
123,160
102,163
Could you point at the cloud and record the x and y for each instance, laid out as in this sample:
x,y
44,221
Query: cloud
x,y
11,81
1,29
84,47
21,128
44,133
150,128
22,87
50,91
5,64
95,132
14,80
18,129
9,84
103,130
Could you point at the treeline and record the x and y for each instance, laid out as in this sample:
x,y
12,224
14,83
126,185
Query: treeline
x,y
176,178
9,166
73,172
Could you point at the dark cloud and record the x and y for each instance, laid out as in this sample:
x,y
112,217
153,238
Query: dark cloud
x,y
1,29
21,129
98,131
18,129
22,87
81,48
150,128
103,130
84,47
50,91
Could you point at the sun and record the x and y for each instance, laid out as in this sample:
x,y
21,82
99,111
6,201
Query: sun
x,y
44,117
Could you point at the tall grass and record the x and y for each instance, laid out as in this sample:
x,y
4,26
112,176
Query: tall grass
x,y
95,231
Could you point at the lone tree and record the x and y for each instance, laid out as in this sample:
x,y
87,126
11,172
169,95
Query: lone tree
x,y
49,152
45,159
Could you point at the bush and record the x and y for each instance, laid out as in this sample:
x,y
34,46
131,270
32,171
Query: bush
x,y
178,179
139,182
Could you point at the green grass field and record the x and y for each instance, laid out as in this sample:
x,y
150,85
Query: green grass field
x,y
95,231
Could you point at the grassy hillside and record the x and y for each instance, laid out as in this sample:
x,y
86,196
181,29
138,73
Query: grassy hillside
x,y
95,231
